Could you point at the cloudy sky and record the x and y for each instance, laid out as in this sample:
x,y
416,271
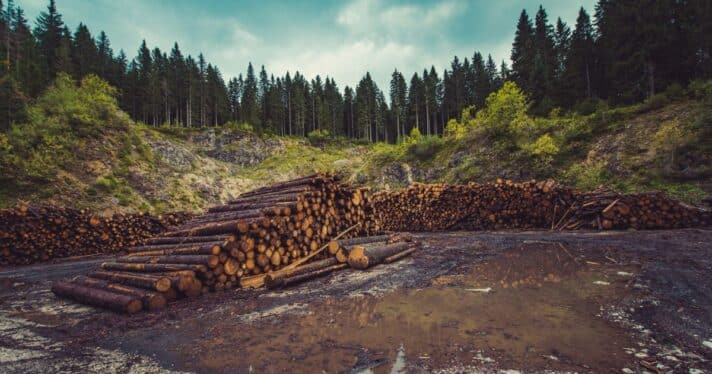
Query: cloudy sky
x,y
341,39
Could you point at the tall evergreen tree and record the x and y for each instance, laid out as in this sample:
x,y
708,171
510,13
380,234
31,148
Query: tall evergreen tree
x,y
249,104
523,52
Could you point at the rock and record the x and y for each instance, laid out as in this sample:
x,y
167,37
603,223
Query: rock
x,y
398,174
176,156
236,147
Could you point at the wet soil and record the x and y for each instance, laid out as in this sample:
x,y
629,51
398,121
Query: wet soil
x,y
469,301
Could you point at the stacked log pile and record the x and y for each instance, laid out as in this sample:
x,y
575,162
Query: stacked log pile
x,y
262,231
31,234
604,209
358,253
500,205
544,204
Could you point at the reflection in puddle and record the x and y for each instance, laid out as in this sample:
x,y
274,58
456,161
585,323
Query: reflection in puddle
x,y
530,309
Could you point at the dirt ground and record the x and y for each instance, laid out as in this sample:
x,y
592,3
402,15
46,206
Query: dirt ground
x,y
622,301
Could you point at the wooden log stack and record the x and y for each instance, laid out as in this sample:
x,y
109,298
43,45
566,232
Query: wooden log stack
x,y
30,234
604,209
528,205
500,205
357,253
262,231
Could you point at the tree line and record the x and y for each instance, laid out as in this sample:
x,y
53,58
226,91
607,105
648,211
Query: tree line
x,y
630,50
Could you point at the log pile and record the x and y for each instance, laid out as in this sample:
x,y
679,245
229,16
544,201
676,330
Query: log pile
x,y
604,209
358,253
532,204
500,205
262,231
30,234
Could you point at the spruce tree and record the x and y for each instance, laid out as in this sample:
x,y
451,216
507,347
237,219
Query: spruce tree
x,y
523,52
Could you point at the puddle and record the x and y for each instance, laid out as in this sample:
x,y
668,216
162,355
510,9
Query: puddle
x,y
539,312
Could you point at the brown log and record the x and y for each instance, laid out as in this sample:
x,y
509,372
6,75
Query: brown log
x,y
289,281
151,300
113,301
211,249
207,260
151,268
155,283
185,239
361,257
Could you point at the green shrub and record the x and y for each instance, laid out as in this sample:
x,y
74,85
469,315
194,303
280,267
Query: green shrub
x,y
426,148
106,183
654,102
587,177
318,136
589,106
701,90
58,123
242,126
674,91
505,111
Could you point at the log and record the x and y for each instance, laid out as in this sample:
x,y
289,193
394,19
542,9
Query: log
x,y
289,281
151,300
362,258
171,249
151,268
274,280
185,239
154,283
113,301
207,260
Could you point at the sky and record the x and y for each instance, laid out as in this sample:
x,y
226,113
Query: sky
x,y
340,39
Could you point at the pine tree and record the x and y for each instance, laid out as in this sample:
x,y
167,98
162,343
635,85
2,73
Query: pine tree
x,y
85,55
577,78
50,33
415,101
541,79
398,91
249,104
481,82
493,79
348,112
523,52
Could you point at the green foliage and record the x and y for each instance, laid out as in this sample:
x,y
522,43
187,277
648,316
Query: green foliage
x,y
587,177
318,136
670,138
701,90
59,123
413,138
240,126
505,111
654,102
425,148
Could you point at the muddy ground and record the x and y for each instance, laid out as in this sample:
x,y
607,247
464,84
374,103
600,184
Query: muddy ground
x,y
468,302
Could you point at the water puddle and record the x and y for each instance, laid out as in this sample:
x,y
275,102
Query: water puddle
x,y
533,308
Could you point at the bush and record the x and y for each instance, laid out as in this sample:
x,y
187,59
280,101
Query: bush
x,y
505,111
654,102
239,126
701,90
426,148
589,106
58,123
587,177
318,136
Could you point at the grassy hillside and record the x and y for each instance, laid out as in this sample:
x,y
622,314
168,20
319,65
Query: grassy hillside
x,y
663,144
78,149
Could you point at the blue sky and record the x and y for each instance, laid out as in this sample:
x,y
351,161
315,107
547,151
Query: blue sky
x,y
341,39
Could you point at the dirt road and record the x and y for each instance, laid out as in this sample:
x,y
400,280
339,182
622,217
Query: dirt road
x,y
485,301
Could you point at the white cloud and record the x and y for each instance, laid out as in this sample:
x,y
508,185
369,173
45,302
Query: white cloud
x,y
348,62
373,17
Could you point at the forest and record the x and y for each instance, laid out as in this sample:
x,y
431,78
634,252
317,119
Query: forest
x,y
624,52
